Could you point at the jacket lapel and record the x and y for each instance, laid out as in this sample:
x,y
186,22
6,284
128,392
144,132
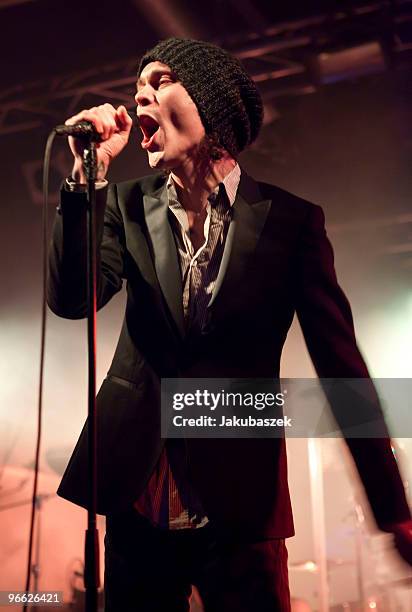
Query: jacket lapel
x,y
249,215
164,252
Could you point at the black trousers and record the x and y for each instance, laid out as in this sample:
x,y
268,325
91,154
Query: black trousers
x,y
152,570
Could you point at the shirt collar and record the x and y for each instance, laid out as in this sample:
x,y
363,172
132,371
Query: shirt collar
x,y
230,184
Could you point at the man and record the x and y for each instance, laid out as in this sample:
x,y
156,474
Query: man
x,y
216,265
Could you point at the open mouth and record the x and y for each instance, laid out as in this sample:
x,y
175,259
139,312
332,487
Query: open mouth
x,y
149,127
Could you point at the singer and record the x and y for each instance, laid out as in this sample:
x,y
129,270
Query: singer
x,y
216,265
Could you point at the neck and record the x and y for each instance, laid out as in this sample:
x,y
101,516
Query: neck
x,y
196,180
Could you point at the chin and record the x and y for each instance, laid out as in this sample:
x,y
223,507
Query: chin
x,y
156,160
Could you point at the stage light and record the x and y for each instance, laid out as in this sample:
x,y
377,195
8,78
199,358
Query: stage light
x,y
349,63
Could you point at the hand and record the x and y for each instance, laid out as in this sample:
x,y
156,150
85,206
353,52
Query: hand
x,y
114,127
402,533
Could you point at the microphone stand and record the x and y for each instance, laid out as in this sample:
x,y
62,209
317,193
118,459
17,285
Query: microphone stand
x,y
91,565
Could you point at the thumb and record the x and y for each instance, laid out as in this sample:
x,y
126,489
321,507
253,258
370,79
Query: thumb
x,y
125,121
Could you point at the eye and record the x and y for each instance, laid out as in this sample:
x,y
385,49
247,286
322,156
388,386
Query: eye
x,y
165,79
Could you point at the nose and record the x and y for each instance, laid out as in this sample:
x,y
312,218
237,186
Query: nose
x,y
144,96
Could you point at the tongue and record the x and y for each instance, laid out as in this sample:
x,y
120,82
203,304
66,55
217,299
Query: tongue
x,y
147,140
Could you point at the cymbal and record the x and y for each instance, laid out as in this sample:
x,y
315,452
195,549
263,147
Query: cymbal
x,y
303,566
58,535
16,486
311,566
405,581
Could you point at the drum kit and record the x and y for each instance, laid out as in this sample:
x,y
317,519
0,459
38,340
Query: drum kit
x,y
58,539
364,572
59,542
57,563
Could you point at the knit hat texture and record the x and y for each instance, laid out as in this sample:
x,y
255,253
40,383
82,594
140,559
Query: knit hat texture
x,y
227,99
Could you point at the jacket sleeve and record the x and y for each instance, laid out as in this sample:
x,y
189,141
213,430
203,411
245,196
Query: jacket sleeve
x,y
326,320
67,281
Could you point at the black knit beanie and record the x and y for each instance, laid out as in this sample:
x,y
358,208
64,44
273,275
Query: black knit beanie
x,y
227,99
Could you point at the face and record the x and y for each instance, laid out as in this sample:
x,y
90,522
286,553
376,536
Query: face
x,y
168,117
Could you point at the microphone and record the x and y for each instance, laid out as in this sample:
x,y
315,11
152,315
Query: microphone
x,y
83,129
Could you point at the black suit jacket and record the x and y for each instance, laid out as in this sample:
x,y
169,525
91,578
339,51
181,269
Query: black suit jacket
x,y
277,260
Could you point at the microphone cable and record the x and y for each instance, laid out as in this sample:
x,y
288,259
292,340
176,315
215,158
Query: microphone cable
x,y
45,212
85,130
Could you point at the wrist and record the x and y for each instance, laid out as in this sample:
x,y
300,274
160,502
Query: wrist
x,y
75,187
102,169
79,176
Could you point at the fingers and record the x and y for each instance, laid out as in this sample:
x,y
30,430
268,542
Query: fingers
x,y
112,124
107,114
91,115
106,119
124,120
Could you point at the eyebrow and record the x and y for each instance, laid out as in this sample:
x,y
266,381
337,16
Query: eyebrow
x,y
154,73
